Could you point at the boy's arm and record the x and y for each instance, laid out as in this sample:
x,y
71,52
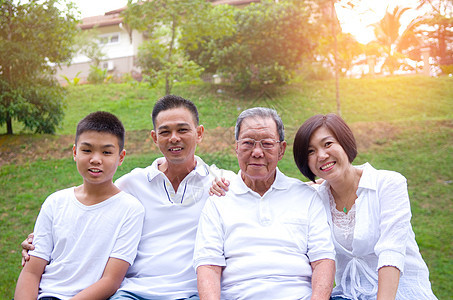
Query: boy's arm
x,y
28,283
111,279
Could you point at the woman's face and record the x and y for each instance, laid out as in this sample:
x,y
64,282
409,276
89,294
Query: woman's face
x,y
326,157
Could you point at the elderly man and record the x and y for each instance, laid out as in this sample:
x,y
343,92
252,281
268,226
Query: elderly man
x,y
269,237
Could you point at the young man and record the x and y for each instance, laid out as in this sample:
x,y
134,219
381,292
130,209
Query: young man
x,y
173,190
85,237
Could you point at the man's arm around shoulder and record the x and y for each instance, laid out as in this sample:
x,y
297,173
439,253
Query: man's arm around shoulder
x,y
322,278
208,282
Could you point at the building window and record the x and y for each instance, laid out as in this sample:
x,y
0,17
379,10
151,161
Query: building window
x,y
108,39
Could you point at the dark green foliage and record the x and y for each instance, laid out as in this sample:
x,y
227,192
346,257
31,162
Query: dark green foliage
x,y
33,36
269,42
98,75
164,22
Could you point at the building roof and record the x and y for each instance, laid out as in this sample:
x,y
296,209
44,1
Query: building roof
x,y
112,17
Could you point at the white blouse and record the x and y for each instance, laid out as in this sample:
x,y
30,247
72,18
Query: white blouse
x,y
382,236
343,224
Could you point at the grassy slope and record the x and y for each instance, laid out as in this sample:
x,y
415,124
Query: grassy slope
x,y
383,99
422,150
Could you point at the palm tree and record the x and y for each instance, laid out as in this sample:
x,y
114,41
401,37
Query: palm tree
x,y
393,43
436,29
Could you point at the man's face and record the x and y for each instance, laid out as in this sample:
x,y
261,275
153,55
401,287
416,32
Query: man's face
x,y
258,163
177,135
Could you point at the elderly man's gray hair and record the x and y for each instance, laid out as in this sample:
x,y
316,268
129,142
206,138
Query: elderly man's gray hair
x,y
262,112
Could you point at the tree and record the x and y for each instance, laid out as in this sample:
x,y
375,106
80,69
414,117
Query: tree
x,y
86,43
165,23
392,42
268,43
33,37
348,49
329,32
435,31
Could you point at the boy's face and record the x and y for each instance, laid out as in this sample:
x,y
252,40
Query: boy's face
x,y
177,135
97,155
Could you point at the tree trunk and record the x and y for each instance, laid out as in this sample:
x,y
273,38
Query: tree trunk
x,y
334,34
9,124
441,44
168,85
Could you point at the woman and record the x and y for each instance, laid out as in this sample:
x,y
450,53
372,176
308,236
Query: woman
x,y
369,213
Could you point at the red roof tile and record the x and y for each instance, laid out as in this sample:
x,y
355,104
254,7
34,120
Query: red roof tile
x,y
109,18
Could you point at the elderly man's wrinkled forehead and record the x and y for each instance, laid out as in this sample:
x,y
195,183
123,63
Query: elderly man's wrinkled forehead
x,y
261,114
258,123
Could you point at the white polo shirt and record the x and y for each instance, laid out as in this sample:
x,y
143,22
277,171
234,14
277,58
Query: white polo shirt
x,y
265,243
163,266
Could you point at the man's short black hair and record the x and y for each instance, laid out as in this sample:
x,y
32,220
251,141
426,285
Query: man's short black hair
x,y
102,121
172,101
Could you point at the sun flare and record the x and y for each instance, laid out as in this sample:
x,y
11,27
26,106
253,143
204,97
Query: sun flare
x,y
359,19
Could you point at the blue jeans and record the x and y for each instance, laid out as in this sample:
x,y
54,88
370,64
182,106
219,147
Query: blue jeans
x,y
121,295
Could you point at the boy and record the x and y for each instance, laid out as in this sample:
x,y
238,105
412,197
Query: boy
x,y
86,236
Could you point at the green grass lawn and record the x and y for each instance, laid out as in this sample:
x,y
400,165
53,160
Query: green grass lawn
x,y
363,100
407,122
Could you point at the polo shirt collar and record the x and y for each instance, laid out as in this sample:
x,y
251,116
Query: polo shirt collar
x,y
239,187
201,169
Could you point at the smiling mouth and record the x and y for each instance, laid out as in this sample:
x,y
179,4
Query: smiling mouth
x,y
327,166
94,170
175,149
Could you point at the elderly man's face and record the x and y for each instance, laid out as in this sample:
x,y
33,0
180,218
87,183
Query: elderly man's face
x,y
258,162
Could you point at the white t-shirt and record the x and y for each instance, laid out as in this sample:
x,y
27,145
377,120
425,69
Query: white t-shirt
x,y
77,240
163,267
266,244
382,236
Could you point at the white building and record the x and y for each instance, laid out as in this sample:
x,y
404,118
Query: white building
x,y
119,44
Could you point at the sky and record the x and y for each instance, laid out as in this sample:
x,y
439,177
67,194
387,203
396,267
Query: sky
x,y
358,21
355,22
89,8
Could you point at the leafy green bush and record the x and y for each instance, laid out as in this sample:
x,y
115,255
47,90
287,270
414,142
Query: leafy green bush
x,y
74,81
447,69
98,75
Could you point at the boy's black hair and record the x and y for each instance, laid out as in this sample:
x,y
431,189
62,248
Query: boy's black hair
x,y
172,101
102,121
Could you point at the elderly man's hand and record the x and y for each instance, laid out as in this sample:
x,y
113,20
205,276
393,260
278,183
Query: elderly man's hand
x,y
27,245
219,186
